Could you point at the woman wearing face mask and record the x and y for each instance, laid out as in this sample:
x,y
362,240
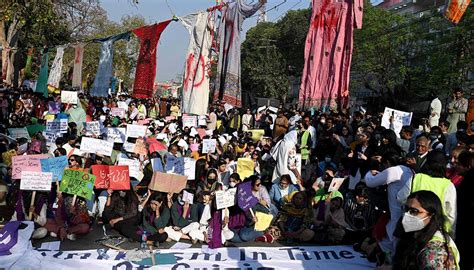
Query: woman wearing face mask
x,y
280,190
424,243
155,218
234,180
121,212
210,183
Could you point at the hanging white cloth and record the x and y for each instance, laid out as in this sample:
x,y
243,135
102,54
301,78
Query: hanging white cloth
x,y
56,68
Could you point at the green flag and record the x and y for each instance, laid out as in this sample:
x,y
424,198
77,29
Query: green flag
x,y
42,84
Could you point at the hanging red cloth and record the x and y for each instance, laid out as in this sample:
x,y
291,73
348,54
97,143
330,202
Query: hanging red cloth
x,y
146,65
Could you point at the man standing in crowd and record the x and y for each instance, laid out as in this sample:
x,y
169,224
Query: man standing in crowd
x,y
457,109
435,110
417,159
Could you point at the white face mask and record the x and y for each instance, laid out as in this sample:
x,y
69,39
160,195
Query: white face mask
x,y
232,184
413,223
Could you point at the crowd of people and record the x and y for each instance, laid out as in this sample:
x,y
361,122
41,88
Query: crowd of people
x,y
404,201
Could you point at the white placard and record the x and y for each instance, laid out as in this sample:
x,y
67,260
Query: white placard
x,y
208,146
335,184
133,166
93,128
17,133
400,119
69,97
57,126
227,107
96,146
120,112
188,197
190,168
116,135
135,131
189,121
226,198
202,120
40,181
128,147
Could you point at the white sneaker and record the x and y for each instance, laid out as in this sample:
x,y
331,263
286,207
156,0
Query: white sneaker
x,y
71,237
53,234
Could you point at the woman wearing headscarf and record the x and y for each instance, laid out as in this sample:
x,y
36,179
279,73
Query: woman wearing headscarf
x,y
280,154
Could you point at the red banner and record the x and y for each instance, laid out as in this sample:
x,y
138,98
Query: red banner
x,y
111,177
146,64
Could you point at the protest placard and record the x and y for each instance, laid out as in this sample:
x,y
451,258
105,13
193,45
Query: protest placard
x,y
63,125
245,167
157,165
189,121
119,112
57,126
335,184
55,166
128,147
30,163
133,166
202,120
33,129
17,133
245,198
96,146
208,146
188,197
174,164
156,146
400,119
256,134
54,107
51,139
92,128
226,198
77,183
136,131
190,168
263,221
69,97
201,132
194,147
166,182
140,147
40,181
111,177
116,135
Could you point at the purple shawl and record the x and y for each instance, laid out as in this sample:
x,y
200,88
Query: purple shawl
x,y
10,230
20,214
214,231
180,211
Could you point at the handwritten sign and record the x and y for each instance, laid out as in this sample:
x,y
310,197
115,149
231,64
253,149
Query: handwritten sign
x,y
17,133
40,181
56,126
136,131
116,135
400,119
174,164
96,146
69,97
245,198
128,147
263,221
245,167
335,184
119,112
189,121
225,199
133,166
113,177
190,168
209,145
93,128
55,166
30,163
140,147
77,183
165,182
194,147
188,197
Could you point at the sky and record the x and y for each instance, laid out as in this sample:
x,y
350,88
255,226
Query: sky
x,y
174,40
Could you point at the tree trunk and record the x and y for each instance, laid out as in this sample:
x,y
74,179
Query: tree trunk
x,y
9,41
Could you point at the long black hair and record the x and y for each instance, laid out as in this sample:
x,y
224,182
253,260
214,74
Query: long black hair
x,y
436,162
411,243
148,212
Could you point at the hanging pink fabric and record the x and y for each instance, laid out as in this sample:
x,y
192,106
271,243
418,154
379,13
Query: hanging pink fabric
x,y
146,64
328,53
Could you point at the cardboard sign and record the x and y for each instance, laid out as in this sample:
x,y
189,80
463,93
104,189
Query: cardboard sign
x,y
166,182
119,112
69,97
263,221
245,198
55,166
209,146
128,147
116,135
140,147
93,128
133,166
77,183
190,168
96,146
40,181
188,197
17,133
157,165
30,163
189,121
136,131
335,184
111,177
174,164
225,199
400,119
245,167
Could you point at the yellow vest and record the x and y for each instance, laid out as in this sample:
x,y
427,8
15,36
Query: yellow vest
x,y
304,145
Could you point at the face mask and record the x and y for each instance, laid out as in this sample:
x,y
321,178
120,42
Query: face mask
x,y
122,193
209,180
412,223
232,184
102,118
180,200
323,121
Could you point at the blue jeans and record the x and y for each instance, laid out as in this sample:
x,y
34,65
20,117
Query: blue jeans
x,y
245,234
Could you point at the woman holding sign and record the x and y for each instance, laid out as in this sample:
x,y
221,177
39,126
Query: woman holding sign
x,y
155,218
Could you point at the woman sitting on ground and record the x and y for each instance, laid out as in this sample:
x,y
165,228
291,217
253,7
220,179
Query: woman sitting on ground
x,y
155,218
121,212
